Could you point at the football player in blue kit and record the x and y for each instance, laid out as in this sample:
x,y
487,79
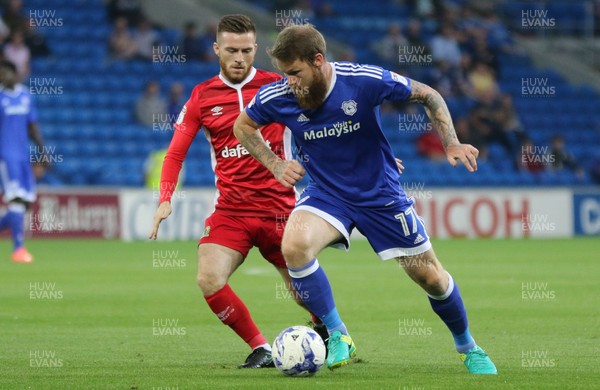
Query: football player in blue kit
x,y
332,109
18,123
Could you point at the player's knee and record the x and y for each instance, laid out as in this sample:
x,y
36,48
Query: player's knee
x,y
210,282
433,282
426,274
296,252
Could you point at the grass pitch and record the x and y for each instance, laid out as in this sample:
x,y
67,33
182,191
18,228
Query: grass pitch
x,y
112,315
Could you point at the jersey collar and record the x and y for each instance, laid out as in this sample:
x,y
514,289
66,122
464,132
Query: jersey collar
x,y
239,85
333,80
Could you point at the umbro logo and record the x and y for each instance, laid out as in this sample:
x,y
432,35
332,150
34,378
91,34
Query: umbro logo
x,y
302,118
419,239
217,110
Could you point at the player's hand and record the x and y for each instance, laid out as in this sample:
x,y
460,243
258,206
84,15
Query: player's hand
x,y
163,211
400,166
288,172
465,153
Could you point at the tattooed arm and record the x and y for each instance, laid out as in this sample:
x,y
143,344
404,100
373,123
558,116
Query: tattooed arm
x,y
287,172
437,111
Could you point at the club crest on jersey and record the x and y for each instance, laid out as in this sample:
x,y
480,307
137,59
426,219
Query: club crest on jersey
x,y
181,115
206,231
217,110
349,107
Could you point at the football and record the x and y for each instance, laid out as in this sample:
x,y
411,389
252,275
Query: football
x,y
298,351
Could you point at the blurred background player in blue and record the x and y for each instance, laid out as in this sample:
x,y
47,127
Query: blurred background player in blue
x,y
17,124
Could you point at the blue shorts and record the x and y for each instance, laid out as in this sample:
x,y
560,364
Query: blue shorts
x,y
17,180
393,230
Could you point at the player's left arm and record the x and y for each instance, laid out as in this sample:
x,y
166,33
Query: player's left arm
x,y
35,135
438,114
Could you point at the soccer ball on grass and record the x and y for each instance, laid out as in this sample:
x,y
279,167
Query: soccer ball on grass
x,y
298,351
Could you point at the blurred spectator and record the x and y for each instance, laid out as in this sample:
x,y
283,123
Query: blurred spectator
x,y
487,128
35,41
324,10
207,40
145,38
150,108
128,9
448,81
561,158
121,45
414,35
529,159
430,146
498,35
595,170
468,20
444,46
388,47
426,8
347,55
13,16
480,51
507,117
18,53
4,31
153,170
176,100
482,81
193,46
15,19
306,10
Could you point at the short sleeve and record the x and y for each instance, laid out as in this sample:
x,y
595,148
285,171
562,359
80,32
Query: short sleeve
x,y
393,87
260,109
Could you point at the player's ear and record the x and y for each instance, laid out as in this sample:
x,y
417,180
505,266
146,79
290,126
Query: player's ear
x,y
216,48
319,60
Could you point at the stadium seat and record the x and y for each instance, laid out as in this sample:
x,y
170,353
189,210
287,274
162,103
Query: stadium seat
x,y
99,94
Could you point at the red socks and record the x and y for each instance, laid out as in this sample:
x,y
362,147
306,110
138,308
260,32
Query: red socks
x,y
233,312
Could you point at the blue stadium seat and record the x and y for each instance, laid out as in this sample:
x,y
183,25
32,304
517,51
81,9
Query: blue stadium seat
x,y
94,114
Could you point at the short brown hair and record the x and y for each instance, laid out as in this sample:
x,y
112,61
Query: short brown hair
x,y
298,42
236,23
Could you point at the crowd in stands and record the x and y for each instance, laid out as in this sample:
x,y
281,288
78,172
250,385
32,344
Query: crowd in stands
x,y
19,38
464,54
462,63
134,36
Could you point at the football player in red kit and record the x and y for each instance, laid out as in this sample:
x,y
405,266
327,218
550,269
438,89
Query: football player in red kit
x,y
251,205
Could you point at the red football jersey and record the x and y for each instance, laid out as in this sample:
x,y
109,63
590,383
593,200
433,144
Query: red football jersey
x,y
245,187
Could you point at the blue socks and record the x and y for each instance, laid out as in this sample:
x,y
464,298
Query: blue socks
x,y
450,308
14,220
313,286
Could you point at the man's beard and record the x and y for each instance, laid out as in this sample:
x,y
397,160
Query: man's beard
x,y
312,97
233,78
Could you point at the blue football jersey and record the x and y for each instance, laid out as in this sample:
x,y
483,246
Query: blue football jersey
x,y
341,143
16,113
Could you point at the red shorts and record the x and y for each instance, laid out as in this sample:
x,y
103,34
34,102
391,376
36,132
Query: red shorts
x,y
242,233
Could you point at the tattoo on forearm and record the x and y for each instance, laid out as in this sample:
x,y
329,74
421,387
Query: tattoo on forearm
x,y
437,111
256,146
